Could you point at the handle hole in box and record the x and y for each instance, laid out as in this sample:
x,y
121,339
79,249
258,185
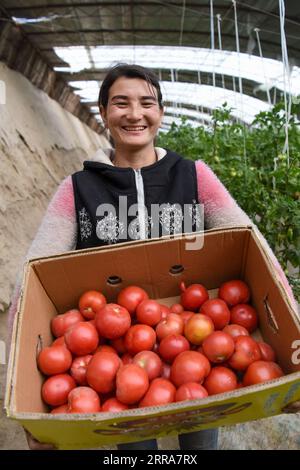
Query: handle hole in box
x,y
176,269
114,280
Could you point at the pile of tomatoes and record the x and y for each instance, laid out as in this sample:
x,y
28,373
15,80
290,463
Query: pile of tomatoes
x,y
137,352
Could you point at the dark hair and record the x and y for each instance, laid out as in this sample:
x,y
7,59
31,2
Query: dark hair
x,y
129,71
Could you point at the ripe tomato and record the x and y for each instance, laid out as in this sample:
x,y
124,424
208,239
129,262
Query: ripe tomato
x,y
166,371
148,312
150,361
218,311
56,389
112,405
127,359
246,351
218,347
193,297
221,379
186,315
130,297
60,409
164,311
60,341
172,345
61,323
54,360
112,321
106,348
234,292
235,330
261,371
132,384
83,400
267,352
172,324
139,338
190,391
244,315
90,303
119,345
101,371
82,338
198,327
189,366
160,392
79,368
176,308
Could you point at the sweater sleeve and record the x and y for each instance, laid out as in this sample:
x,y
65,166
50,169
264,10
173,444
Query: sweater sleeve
x,y
56,234
221,209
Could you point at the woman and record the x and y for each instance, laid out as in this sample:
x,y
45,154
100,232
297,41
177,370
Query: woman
x,y
86,209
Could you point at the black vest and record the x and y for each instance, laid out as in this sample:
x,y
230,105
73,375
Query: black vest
x,y
104,194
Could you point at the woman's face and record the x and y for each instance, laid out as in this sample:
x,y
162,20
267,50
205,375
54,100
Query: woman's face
x,y
132,115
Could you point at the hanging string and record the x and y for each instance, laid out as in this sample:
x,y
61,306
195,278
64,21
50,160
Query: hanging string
x,y
264,71
212,40
220,43
286,80
182,23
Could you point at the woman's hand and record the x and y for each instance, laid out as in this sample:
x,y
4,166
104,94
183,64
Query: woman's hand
x,y
33,444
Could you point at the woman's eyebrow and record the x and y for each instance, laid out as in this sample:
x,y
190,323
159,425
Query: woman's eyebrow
x,y
124,97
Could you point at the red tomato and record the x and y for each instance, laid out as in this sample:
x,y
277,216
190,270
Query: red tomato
x,y
221,379
235,330
160,392
164,311
172,324
119,345
166,371
132,384
101,371
190,391
234,292
148,312
130,297
176,308
139,338
172,345
189,366
84,400
127,359
54,360
261,371
79,368
56,389
60,409
90,303
61,323
244,315
193,297
198,327
266,351
218,347
186,315
112,405
82,338
150,361
59,342
112,321
218,311
106,348
246,351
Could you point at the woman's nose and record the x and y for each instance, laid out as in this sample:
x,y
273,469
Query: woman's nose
x,y
134,112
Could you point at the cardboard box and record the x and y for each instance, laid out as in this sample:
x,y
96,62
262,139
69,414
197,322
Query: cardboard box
x,y
53,285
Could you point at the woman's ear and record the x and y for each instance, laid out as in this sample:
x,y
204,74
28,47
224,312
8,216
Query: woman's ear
x,y
103,114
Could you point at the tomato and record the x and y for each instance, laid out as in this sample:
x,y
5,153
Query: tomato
x,y
234,292
261,371
190,391
83,400
54,360
266,351
172,324
166,371
56,389
82,338
119,345
235,330
246,351
148,312
164,311
186,315
193,297
61,323
221,379
112,321
112,405
218,347
60,409
79,368
176,308
101,371
218,311
189,366
132,383
127,359
198,327
106,348
60,341
160,392
244,315
150,361
90,303
130,297
172,345
139,338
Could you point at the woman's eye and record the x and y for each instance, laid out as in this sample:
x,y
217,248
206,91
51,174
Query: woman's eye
x,y
147,105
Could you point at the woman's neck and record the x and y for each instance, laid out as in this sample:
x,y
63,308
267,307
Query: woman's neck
x,y
135,159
